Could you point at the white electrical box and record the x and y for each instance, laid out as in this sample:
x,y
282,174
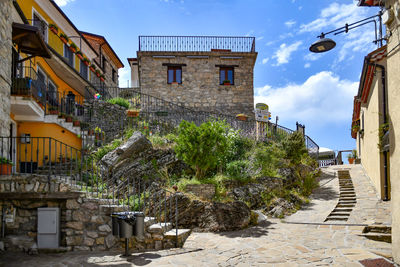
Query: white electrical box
x,y
48,234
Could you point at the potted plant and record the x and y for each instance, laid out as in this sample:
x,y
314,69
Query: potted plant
x,y
68,118
61,115
53,28
64,38
132,113
79,55
53,110
353,156
102,78
76,123
226,82
86,61
242,117
93,68
73,47
5,166
98,74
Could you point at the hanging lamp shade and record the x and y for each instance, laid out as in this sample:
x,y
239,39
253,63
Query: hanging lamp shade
x,y
322,45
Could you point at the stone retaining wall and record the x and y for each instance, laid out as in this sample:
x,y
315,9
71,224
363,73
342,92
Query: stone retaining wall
x,y
85,222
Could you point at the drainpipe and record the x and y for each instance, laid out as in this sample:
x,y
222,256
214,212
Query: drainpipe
x,y
385,157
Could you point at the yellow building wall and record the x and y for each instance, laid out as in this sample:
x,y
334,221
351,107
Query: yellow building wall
x,y
393,70
39,148
367,147
53,40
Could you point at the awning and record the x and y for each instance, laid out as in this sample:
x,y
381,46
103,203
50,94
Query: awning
x,y
29,40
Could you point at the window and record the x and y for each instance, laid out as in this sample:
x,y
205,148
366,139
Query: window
x,y
69,55
41,82
114,74
52,93
226,74
83,69
38,22
174,74
103,64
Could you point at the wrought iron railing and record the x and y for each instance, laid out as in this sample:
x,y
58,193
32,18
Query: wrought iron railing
x,y
43,155
65,105
155,115
196,43
27,84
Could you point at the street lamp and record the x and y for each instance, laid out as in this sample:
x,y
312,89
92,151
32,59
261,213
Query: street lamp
x,y
326,44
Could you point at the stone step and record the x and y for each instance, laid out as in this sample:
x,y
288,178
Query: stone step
x,y
339,205
383,229
342,210
340,214
337,218
183,234
378,237
159,228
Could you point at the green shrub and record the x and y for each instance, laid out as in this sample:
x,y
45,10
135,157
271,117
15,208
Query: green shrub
x,y
102,151
202,147
238,169
268,158
253,218
294,147
119,101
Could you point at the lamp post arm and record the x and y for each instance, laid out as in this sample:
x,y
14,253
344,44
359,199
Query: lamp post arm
x,y
350,28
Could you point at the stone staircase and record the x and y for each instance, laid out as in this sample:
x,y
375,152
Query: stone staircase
x,y
378,233
347,198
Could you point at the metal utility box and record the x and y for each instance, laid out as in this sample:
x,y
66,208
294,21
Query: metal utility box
x,y
48,231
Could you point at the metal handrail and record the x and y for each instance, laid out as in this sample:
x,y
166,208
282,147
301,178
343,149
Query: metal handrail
x,y
242,44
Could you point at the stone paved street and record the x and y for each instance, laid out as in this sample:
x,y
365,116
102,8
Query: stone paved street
x,y
303,240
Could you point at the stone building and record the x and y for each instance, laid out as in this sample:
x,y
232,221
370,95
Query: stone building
x,y
205,73
5,63
107,59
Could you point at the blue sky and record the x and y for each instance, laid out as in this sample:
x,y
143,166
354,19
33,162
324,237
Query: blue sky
x,y
314,89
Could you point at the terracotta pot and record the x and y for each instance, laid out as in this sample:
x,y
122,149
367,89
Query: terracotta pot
x,y
132,113
92,69
87,63
77,123
54,30
53,112
242,117
80,56
97,74
227,83
351,160
5,169
72,49
63,40
102,79
68,119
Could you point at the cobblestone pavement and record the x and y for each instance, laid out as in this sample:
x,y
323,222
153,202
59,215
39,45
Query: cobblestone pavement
x,y
306,242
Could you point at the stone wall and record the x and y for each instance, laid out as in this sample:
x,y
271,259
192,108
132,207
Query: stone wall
x,y
5,65
204,191
85,222
110,118
200,88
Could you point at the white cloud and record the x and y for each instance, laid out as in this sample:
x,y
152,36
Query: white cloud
x,y
313,56
260,38
290,23
307,65
284,52
265,60
322,99
63,2
124,77
334,16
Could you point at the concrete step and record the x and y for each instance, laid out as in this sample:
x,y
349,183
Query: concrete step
x,y
337,218
183,234
342,210
159,228
340,214
383,229
378,237
345,205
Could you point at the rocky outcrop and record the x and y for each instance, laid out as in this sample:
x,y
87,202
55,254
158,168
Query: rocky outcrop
x,y
211,216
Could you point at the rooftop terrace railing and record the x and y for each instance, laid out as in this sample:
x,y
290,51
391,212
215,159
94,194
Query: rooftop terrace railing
x,y
196,43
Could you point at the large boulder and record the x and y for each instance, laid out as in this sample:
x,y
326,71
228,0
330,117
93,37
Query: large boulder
x,y
211,216
136,144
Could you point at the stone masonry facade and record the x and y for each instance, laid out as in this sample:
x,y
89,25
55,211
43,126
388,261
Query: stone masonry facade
x,y
5,64
200,88
85,220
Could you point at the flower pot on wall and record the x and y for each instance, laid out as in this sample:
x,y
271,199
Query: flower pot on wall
x,y
54,30
5,169
242,117
77,123
351,160
80,57
132,113
72,49
65,41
